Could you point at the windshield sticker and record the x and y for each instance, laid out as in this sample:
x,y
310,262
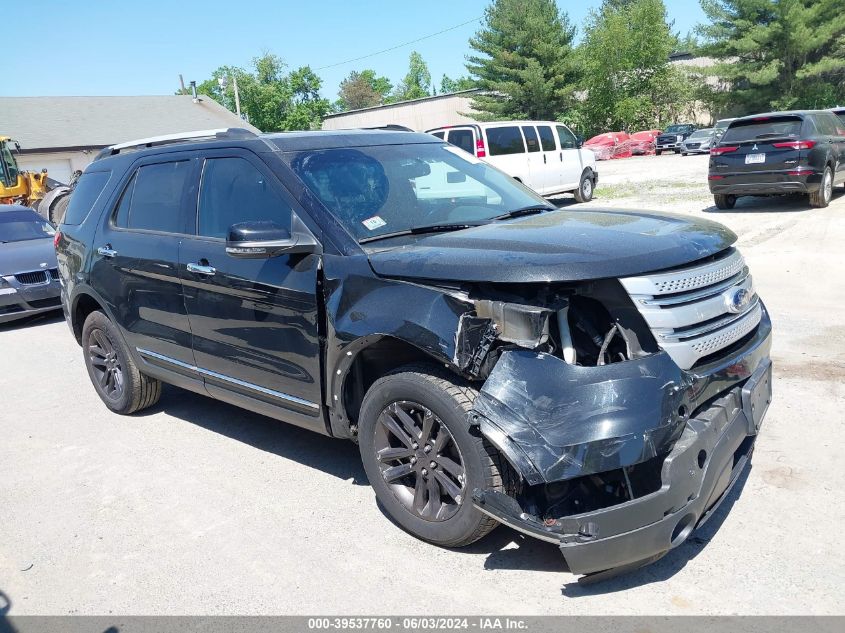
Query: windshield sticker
x,y
373,223
457,151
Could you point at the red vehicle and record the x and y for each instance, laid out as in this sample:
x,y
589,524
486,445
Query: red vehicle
x,y
642,143
610,145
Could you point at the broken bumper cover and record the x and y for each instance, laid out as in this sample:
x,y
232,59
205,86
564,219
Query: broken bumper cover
x,y
708,458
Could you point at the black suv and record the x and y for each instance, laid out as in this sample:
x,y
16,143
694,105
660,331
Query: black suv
x,y
672,137
593,379
779,153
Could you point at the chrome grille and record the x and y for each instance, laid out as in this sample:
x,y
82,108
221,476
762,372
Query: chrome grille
x,y
691,311
54,274
32,278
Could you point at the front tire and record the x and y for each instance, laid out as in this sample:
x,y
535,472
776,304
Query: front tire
x,y
584,192
658,152
821,198
424,460
116,378
724,201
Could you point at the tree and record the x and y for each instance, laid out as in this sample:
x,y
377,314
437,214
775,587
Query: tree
x,y
417,83
362,90
447,84
523,61
628,79
272,100
777,54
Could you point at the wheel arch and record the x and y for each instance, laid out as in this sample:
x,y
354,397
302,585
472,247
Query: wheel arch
x,y
364,361
83,304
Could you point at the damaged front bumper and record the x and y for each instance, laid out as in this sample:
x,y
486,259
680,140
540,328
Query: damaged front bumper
x,y
705,453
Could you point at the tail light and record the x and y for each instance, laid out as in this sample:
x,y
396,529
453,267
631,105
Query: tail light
x,y
715,177
56,239
718,151
480,150
801,171
795,144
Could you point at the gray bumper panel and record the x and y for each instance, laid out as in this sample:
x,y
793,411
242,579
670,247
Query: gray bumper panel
x,y
700,470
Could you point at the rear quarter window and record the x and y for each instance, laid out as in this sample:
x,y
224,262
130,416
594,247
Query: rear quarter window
x,y
85,195
504,140
761,129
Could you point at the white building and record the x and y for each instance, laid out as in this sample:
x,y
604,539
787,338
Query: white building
x,y
63,134
417,114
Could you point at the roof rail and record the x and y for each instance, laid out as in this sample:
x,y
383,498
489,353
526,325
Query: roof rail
x,y
220,133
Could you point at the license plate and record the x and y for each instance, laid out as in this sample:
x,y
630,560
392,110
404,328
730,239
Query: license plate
x,y
750,159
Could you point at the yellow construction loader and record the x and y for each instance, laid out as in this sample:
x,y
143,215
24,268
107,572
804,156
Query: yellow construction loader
x,y
29,188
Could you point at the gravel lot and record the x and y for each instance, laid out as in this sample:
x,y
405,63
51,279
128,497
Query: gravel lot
x,y
196,507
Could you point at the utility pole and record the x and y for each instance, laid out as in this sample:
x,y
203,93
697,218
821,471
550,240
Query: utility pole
x,y
182,83
237,95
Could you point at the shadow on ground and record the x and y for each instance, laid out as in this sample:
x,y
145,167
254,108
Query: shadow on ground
x,y
793,203
335,457
24,323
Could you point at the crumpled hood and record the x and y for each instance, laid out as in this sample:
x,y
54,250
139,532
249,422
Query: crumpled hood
x,y
26,256
556,246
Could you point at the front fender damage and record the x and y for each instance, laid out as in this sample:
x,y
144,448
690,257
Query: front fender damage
x,y
557,421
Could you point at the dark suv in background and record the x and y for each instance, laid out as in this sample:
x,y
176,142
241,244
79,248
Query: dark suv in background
x,y
594,379
779,153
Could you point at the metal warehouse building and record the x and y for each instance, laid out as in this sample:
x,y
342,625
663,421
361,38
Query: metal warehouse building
x,y
417,114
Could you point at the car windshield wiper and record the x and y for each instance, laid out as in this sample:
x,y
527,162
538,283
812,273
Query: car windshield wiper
x,y
418,230
529,210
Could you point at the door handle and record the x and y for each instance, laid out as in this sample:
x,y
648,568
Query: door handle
x,y
201,269
544,158
561,157
106,251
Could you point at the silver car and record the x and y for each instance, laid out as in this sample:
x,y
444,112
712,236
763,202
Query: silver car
x,y
29,280
699,142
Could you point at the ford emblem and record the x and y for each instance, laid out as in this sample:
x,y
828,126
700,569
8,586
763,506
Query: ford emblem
x,y
737,300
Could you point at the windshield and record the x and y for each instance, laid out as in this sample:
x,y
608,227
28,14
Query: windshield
x,y
763,128
701,134
8,167
677,129
387,189
17,226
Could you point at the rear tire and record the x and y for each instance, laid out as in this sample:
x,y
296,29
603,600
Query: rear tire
x,y
658,152
115,376
724,201
584,192
414,406
821,198
58,209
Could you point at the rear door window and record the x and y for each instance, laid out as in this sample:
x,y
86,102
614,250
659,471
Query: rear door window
x,y
156,198
504,140
826,124
234,190
439,135
547,138
463,139
531,138
763,129
85,195
567,138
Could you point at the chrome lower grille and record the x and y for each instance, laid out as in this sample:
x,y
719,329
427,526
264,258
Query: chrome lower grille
x,y
696,311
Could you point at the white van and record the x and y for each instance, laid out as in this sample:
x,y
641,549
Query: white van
x,y
544,155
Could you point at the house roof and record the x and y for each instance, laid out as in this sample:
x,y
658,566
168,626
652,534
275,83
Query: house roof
x,y
40,123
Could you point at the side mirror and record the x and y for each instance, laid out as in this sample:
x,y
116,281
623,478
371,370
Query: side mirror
x,y
455,177
579,141
263,239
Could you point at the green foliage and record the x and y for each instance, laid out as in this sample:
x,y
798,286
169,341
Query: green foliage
x,y
447,84
628,79
523,61
776,54
272,99
417,83
362,90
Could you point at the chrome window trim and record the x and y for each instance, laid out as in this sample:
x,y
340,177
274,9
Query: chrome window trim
x,y
241,383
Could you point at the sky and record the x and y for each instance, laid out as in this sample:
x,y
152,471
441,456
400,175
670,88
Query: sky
x,y
99,47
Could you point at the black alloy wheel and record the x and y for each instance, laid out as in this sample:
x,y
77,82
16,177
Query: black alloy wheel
x,y
420,461
105,364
